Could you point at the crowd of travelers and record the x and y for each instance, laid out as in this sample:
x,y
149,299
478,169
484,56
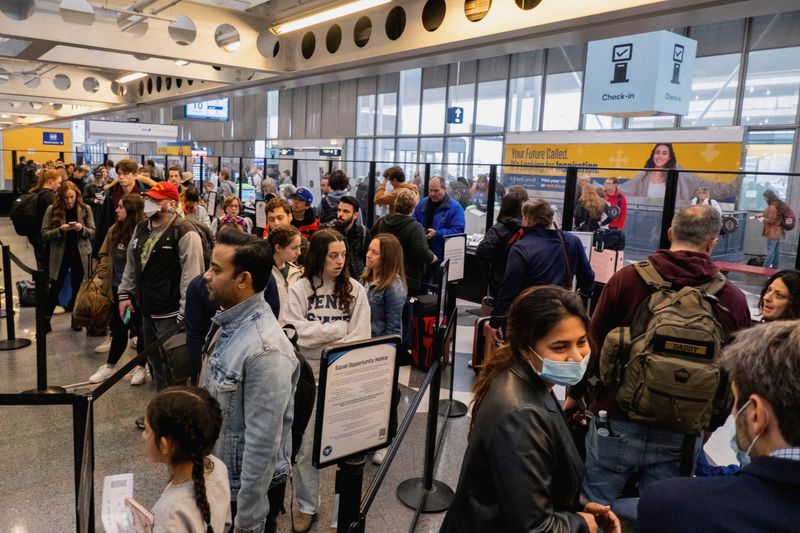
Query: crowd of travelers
x,y
531,464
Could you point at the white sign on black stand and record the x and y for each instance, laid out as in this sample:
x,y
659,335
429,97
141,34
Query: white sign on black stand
x,y
354,408
455,249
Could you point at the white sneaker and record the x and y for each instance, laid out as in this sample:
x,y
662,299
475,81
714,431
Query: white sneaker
x,y
105,347
59,310
379,456
103,373
139,375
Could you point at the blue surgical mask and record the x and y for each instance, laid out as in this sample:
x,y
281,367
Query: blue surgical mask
x,y
742,456
566,373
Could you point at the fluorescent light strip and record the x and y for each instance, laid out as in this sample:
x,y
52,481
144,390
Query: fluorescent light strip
x,y
132,77
324,16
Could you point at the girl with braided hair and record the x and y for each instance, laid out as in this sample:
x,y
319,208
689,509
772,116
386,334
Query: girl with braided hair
x,y
181,426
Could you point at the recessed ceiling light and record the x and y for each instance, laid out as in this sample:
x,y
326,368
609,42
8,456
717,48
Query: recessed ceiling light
x,y
181,62
131,77
324,16
232,46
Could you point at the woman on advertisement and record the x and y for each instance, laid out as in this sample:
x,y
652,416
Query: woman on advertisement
x,y
652,182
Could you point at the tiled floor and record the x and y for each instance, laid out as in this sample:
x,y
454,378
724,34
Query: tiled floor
x,y
37,486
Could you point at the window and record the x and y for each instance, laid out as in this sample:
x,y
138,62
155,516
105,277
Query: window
x,y
363,155
365,118
463,96
407,156
562,101
772,86
713,91
384,152
657,121
458,158
487,151
433,112
765,151
272,114
387,114
523,105
430,151
490,112
410,90
601,122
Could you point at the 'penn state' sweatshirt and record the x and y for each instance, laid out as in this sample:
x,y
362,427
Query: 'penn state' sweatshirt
x,y
320,319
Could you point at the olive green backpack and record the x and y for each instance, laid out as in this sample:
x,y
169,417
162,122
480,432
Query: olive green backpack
x,y
664,366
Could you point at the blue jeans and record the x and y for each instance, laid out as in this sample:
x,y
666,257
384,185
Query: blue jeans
x,y
631,447
773,253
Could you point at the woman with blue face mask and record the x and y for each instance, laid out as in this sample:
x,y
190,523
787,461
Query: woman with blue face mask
x,y
521,470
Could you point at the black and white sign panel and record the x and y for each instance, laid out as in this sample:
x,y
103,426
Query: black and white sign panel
x,y
354,403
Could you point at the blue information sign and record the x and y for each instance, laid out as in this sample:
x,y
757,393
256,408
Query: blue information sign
x,y
455,115
330,152
53,137
287,151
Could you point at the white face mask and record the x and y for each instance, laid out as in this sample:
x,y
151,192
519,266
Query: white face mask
x,y
151,208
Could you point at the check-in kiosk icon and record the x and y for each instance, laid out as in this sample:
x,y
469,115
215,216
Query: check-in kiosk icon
x,y
621,54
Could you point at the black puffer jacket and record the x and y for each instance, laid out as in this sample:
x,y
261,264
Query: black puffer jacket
x,y
492,252
416,253
521,470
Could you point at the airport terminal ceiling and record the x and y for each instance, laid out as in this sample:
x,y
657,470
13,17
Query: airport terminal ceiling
x,y
74,58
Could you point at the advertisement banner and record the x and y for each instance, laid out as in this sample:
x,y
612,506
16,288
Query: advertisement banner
x,y
657,156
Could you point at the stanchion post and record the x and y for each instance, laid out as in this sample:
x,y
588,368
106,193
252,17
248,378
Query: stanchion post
x,y
295,168
80,415
11,342
41,281
670,199
241,180
371,193
432,495
349,477
426,179
570,191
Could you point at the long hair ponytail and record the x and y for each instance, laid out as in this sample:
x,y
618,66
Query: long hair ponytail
x,y
192,419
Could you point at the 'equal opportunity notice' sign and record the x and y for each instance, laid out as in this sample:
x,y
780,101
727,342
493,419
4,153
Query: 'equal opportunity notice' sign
x,y
354,402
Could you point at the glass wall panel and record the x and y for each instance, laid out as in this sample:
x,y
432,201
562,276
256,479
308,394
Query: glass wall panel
x,y
433,110
384,152
463,96
407,156
387,114
365,117
659,121
457,158
410,92
713,91
772,87
601,122
431,151
562,101
491,106
363,155
523,103
765,151
487,151
272,114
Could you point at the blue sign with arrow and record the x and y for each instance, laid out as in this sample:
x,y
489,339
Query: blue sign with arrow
x,y
455,115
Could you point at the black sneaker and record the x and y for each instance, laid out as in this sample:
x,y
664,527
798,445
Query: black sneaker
x,y
140,423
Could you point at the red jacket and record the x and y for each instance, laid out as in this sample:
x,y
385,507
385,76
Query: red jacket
x,y
308,225
618,199
626,291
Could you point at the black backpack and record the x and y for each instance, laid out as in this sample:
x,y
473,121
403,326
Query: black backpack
x,y
23,214
304,395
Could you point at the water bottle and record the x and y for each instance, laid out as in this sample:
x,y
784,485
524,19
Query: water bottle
x,y
603,427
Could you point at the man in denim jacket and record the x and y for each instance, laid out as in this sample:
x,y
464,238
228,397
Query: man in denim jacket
x,y
252,371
